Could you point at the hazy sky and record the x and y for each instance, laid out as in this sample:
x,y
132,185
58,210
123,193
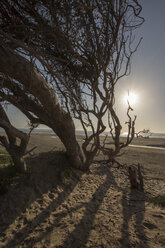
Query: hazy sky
x,y
147,78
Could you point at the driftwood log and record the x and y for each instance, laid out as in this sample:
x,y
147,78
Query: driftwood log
x,y
136,178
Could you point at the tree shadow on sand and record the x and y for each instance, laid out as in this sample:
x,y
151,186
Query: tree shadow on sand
x,y
37,184
133,211
78,238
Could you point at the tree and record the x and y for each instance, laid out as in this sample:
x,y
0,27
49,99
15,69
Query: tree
x,y
65,58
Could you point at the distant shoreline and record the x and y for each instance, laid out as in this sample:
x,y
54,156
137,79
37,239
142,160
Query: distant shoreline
x,y
49,142
81,132
158,147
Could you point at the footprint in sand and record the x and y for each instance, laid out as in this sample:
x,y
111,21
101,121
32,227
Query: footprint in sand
x,y
149,225
158,216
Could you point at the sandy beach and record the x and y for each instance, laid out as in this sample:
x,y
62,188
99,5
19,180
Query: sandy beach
x,y
95,209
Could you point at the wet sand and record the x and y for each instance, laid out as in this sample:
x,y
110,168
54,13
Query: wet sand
x,y
97,210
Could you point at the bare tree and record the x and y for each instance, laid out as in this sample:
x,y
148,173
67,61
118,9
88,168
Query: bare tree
x,y
66,58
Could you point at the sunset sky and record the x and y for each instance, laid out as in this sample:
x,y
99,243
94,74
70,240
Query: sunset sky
x,y
147,78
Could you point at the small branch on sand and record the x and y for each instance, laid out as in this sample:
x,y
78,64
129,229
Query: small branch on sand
x,y
28,152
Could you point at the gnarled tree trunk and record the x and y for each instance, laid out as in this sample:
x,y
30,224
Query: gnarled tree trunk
x,y
15,150
18,68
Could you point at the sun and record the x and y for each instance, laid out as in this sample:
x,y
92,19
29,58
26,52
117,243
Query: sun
x,y
131,97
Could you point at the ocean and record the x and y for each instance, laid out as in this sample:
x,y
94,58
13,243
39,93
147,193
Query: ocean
x,y
81,132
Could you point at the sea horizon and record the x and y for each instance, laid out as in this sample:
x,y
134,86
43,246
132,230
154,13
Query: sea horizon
x,y
81,132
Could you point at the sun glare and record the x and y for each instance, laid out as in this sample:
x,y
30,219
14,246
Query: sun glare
x,y
131,97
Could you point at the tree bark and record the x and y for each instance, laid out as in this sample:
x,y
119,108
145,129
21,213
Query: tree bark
x,y
20,69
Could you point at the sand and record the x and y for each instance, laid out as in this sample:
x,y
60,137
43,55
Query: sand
x,y
97,210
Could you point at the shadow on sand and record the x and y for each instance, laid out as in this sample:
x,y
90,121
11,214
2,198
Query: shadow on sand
x,y
78,237
43,180
133,214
